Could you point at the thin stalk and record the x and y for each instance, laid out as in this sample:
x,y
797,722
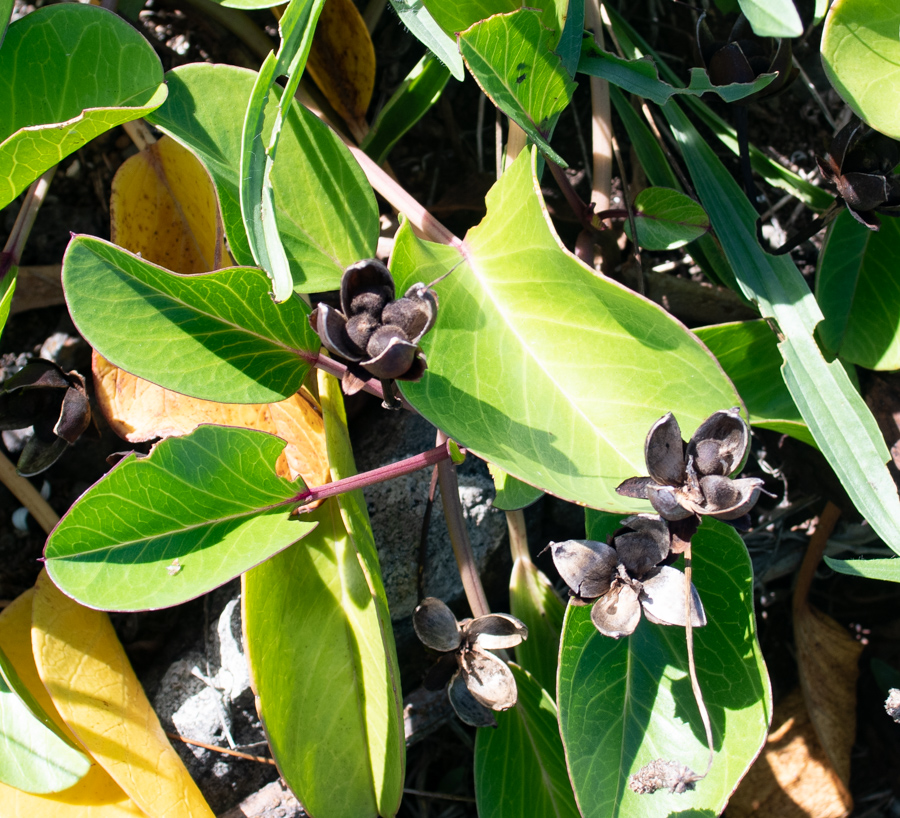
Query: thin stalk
x,y
373,386
635,247
27,495
583,211
601,120
11,254
423,536
692,666
459,536
516,140
359,481
518,535
817,224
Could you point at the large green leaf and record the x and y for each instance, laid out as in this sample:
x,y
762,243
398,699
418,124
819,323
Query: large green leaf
x,y
163,529
520,768
35,755
841,424
324,207
6,10
542,367
624,703
861,56
888,570
216,336
641,77
511,57
328,697
859,292
68,73
414,14
458,16
260,136
772,18
748,352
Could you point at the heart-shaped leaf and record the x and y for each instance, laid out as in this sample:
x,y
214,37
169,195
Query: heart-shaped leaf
x,y
666,219
57,95
859,45
322,232
163,529
624,703
216,336
579,367
520,768
511,57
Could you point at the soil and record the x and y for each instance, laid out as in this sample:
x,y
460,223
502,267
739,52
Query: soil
x,y
439,163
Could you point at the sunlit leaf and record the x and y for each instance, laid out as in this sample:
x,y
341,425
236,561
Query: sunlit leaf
x,y
511,57
216,336
626,702
666,219
322,232
57,95
512,494
163,529
578,367
84,668
772,18
887,570
94,796
415,15
860,45
520,768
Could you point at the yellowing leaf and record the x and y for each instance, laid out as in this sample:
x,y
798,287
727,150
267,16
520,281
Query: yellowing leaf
x,y
84,668
94,796
163,206
342,62
138,410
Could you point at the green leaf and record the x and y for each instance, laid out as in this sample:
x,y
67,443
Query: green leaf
x,y
512,494
578,367
7,291
57,93
772,18
569,45
860,45
859,293
887,570
414,14
458,16
642,78
248,5
6,10
511,58
159,530
216,336
626,702
748,352
420,90
520,768
666,219
533,600
820,11
328,697
35,755
322,232
836,415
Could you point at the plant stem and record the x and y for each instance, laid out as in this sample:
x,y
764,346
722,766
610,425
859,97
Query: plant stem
x,y
692,667
358,481
601,120
332,367
583,212
459,536
518,535
11,254
27,495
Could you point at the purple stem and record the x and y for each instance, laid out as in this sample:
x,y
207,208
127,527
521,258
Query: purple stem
x,y
379,475
336,368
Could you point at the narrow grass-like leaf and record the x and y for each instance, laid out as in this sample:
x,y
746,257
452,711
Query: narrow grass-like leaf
x,y
216,336
772,18
57,95
327,695
511,58
325,210
887,570
666,219
35,755
748,352
577,367
520,768
861,56
859,293
533,600
163,529
626,702
417,93
415,15
7,291
258,151
642,78
837,417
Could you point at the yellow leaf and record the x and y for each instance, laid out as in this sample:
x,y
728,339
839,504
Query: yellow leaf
x,y
94,796
163,206
342,62
84,668
138,410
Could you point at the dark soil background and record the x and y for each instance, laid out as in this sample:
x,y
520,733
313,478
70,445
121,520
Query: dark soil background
x,y
439,163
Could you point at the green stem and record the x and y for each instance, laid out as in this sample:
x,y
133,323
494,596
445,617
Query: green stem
x,y
518,535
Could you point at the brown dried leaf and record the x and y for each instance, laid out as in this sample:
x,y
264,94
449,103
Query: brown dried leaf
x,y
792,778
342,62
138,410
